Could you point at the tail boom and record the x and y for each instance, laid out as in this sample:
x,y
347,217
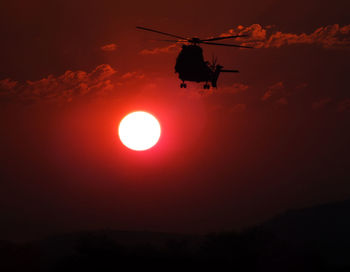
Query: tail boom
x,y
217,72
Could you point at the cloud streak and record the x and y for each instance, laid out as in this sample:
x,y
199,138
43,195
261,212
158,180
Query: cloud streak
x,y
167,49
109,47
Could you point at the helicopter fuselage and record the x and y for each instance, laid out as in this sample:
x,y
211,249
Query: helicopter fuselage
x,y
191,66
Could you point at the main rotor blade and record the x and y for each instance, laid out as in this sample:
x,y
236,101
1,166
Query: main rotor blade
x,y
230,45
229,71
222,38
159,32
174,41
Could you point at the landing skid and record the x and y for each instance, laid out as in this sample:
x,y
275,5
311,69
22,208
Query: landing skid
x,y
206,86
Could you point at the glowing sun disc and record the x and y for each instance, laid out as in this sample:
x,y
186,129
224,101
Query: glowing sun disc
x,y
139,130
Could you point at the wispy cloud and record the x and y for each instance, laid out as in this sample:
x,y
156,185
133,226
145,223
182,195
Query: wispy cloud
x,y
167,49
234,88
109,47
133,75
273,91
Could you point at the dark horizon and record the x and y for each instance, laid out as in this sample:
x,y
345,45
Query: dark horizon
x,y
295,240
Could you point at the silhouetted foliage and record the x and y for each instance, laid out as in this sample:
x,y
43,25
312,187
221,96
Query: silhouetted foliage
x,y
255,249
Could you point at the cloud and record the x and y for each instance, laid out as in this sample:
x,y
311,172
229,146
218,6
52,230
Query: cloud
x,y
168,49
344,105
277,93
109,47
321,103
273,91
235,88
66,87
328,37
133,75
7,87
301,86
238,108
282,101
231,89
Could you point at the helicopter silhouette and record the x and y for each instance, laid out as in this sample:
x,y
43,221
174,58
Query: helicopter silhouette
x,y
190,63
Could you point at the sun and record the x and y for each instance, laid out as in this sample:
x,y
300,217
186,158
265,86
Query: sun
x,y
139,130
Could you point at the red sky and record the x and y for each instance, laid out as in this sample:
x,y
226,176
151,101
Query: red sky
x,y
271,138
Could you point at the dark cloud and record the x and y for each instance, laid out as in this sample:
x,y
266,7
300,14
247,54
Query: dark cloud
x,y
321,103
344,105
234,88
66,87
282,101
273,91
281,95
301,86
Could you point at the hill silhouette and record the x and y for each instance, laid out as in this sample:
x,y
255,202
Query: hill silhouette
x,y
310,239
326,227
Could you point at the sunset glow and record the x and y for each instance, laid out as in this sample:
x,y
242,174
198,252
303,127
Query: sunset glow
x,y
139,131
175,135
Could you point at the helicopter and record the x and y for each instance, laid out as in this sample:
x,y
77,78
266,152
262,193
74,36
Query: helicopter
x,y
190,63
